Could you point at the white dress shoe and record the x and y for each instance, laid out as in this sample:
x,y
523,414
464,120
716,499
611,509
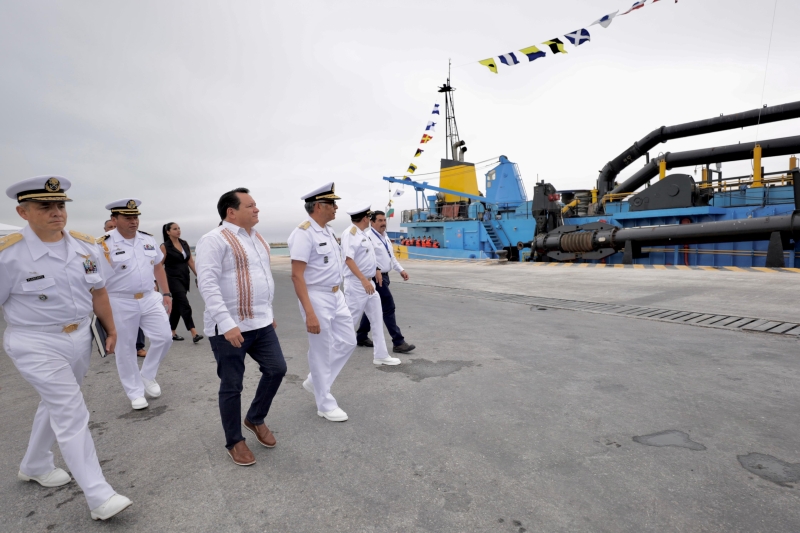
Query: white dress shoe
x,y
56,478
308,386
113,505
337,415
387,361
151,387
139,403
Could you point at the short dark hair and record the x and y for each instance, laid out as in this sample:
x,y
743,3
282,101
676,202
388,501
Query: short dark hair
x,y
230,199
375,215
357,219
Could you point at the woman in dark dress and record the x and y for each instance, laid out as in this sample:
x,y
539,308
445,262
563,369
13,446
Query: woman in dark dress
x,y
177,262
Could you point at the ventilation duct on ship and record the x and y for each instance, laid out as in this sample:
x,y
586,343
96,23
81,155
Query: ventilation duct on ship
x,y
458,155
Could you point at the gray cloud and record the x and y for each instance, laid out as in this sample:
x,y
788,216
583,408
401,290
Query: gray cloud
x,y
177,102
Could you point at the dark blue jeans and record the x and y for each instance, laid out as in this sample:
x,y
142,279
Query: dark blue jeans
x,y
263,346
387,303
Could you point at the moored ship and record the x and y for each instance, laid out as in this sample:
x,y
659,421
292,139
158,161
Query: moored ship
x,y
652,218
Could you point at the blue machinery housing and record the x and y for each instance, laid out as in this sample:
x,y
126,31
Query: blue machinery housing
x,y
719,221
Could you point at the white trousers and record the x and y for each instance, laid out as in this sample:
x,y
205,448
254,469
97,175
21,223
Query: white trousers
x,y
130,315
359,302
55,364
330,349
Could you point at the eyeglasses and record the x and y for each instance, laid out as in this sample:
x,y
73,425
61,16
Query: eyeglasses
x,y
327,203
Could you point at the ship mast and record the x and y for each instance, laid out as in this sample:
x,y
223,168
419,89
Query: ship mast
x,y
451,129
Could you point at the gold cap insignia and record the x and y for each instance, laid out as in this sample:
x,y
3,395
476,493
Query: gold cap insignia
x,y
131,204
53,185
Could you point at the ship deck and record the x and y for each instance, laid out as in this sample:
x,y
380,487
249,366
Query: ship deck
x,y
538,399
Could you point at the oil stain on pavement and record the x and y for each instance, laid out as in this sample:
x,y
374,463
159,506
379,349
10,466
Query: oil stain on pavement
x,y
670,437
771,468
419,369
144,414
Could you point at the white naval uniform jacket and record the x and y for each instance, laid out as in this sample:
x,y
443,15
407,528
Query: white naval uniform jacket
x,y
132,264
317,248
384,251
235,280
358,247
38,288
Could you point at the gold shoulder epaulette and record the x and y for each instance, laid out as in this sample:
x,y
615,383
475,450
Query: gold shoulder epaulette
x,y
353,230
82,237
9,240
305,225
140,231
101,240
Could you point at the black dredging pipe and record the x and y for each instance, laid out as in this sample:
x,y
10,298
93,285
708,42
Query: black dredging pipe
x,y
719,154
745,229
605,181
597,237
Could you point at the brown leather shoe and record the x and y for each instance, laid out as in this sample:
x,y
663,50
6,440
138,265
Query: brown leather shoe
x,y
141,353
262,433
241,454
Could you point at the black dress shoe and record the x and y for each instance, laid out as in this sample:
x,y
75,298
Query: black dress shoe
x,y
197,338
177,338
403,348
368,343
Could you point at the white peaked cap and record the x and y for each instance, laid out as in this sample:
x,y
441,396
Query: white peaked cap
x,y
125,206
40,189
326,192
363,208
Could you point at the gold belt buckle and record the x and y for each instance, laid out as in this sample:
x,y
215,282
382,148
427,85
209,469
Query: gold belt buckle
x,y
138,296
69,328
335,289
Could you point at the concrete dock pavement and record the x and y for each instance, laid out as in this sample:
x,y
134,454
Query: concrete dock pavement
x,y
765,292
505,418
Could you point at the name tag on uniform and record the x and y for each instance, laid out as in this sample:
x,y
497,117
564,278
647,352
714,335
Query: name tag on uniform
x,y
120,256
38,284
35,278
322,244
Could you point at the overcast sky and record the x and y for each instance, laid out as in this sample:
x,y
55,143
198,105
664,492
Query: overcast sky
x,y
175,102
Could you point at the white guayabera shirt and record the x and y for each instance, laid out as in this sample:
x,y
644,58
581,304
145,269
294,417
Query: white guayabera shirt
x,y
235,280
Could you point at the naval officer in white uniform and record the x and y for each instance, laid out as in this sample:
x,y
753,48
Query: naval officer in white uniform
x,y
386,262
361,266
135,259
317,277
50,281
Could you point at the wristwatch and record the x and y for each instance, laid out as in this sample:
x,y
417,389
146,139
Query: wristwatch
x,y
167,294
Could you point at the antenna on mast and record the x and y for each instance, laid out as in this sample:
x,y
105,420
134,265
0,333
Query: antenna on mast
x,y
452,141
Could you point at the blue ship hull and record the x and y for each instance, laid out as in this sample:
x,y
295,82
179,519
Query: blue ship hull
x,y
471,237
